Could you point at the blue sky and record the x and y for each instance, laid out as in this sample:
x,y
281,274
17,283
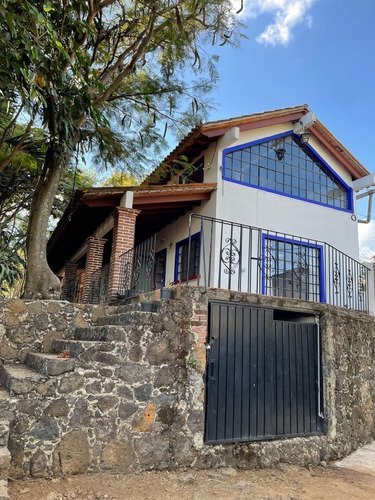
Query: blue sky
x,y
318,52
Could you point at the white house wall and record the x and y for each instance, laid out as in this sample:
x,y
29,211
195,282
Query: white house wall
x,y
256,207
177,231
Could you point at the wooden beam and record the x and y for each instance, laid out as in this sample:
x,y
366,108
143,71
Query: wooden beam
x,y
171,198
163,209
101,202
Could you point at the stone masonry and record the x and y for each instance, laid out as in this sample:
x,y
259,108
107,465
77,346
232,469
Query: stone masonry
x,y
131,397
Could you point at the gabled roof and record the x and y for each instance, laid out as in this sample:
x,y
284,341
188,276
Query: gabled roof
x,y
201,136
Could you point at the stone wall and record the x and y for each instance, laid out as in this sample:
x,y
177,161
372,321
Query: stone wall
x,y
136,398
32,325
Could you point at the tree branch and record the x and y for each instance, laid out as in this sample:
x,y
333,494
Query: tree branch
x,y
17,147
129,67
8,128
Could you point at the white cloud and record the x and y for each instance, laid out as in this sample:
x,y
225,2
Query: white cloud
x,y
287,14
366,240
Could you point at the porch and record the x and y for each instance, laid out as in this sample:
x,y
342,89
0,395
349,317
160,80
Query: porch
x,y
227,255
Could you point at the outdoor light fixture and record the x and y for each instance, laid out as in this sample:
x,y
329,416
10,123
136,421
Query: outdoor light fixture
x,y
280,153
304,138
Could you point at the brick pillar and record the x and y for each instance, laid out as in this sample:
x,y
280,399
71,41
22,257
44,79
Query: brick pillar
x,y
123,240
69,281
94,262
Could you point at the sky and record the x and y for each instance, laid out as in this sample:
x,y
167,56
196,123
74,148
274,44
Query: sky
x,y
315,52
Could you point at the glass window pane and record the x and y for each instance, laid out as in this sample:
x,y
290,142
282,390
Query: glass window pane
x,y
257,165
292,270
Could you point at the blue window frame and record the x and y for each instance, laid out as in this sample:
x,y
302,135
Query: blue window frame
x,y
182,254
283,165
292,268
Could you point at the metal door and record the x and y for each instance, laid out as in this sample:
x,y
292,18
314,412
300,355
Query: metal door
x,y
263,376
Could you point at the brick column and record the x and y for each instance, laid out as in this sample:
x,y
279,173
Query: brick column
x,y
94,262
123,240
67,292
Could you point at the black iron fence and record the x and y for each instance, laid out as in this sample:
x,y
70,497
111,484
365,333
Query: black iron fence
x,y
73,291
248,259
137,269
99,286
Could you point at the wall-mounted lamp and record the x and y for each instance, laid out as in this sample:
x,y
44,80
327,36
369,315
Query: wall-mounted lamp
x,y
280,153
304,138
170,245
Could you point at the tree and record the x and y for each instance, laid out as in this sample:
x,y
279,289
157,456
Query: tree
x,y
104,74
17,184
120,178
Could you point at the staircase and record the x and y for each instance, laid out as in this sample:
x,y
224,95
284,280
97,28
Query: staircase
x,y
55,396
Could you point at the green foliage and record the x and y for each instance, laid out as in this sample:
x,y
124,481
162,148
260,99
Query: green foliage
x,y
130,71
119,178
111,77
17,185
11,264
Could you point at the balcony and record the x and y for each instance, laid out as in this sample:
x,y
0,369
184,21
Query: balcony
x,y
237,257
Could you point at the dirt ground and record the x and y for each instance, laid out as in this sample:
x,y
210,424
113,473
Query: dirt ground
x,y
283,483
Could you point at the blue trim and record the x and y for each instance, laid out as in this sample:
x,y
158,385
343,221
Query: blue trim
x,y
194,236
330,171
159,254
322,291
258,141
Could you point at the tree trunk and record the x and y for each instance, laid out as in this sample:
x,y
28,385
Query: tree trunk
x,y
41,282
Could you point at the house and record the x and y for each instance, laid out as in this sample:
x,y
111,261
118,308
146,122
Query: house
x,y
265,223
269,208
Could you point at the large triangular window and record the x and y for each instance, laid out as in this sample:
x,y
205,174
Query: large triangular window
x,y
283,165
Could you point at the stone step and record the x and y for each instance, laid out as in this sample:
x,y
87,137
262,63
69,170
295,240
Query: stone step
x,y
157,305
19,379
105,333
4,432
4,463
4,495
6,408
4,395
49,364
83,350
126,308
128,319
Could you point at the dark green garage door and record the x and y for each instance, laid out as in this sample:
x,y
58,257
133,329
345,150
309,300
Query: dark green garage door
x,y
263,375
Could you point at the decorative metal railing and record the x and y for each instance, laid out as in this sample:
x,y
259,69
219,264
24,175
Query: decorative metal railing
x,y
249,259
137,269
78,288
74,289
98,286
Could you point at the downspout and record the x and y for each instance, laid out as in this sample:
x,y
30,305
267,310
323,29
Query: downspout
x,y
369,206
364,183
